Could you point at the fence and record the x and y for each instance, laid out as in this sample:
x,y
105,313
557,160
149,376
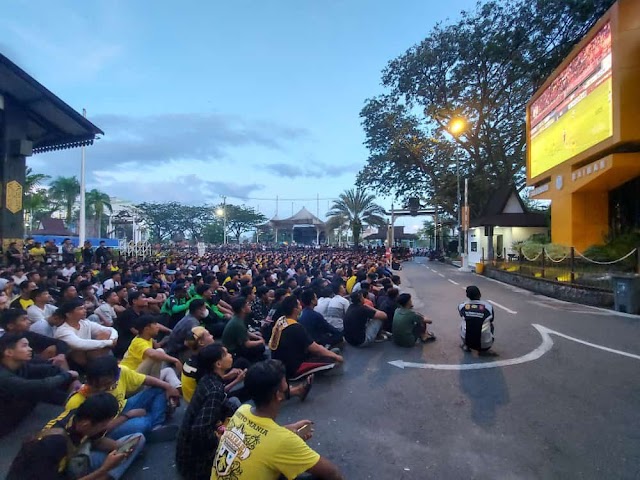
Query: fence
x,y
567,265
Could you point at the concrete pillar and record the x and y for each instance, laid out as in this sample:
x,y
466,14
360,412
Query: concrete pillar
x,y
14,148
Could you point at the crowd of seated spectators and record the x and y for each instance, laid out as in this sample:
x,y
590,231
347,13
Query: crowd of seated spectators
x,y
118,343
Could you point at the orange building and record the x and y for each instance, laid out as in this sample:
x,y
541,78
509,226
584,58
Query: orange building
x,y
583,133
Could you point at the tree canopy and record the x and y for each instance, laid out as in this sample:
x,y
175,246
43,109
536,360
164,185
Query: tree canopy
x,y
353,209
484,68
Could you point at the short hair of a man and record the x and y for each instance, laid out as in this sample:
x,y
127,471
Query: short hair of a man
x,y
393,293
263,380
70,306
356,298
403,299
207,357
35,293
289,304
238,303
135,295
307,296
11,315
473,292
335,287
200,289
261,291
98,408
9,341
144,321
24,285
279,293
102,367
195,305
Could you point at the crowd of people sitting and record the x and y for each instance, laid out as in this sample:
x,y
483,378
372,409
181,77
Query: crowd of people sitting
x,y
118,343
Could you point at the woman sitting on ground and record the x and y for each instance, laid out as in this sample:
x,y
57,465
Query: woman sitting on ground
x,y
197,339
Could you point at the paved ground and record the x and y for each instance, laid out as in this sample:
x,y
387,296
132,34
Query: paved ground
x,y
572,413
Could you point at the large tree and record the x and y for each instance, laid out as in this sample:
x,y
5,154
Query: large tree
x,y
356,208
484,67
65,190
241,219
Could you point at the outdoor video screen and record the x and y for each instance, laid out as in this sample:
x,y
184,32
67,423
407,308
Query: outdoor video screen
x,y
575,111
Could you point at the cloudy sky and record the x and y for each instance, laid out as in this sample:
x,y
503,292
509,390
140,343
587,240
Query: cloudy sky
x,y
198,99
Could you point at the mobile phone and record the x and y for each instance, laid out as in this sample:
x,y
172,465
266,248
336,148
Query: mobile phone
x,y
129,445
304,430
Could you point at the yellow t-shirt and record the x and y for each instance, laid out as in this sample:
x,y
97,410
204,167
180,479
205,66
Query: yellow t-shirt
x,y
351,282
188,380
257,448
134,355
128,384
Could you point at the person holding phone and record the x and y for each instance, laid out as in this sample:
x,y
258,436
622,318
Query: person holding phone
x,y
73,446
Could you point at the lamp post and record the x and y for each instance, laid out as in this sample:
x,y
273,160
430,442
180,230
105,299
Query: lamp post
x,y
457,127
222,212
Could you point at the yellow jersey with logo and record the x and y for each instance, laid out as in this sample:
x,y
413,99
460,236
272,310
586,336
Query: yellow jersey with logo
x,y
257,448
135,353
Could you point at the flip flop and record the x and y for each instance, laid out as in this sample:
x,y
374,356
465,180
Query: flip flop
x,y
307,388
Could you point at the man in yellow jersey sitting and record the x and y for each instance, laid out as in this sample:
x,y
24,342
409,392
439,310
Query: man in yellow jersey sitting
x,y
254,447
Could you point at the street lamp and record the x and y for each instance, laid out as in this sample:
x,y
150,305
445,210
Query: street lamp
x,y
222,212
456,127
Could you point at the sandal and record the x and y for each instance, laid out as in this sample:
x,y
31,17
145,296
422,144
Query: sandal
x,y
307,388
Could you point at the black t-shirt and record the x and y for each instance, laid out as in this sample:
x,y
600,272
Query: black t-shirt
x,y
355,323
40,459
292,349
123,324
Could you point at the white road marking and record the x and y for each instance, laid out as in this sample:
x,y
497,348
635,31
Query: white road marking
x,y
441,275
545,346
455,283
502,307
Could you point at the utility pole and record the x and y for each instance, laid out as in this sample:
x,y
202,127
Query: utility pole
x,y
82,228
224,219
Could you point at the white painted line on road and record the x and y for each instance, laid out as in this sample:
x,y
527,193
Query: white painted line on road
x,y
433,270
502,307
441,275
455,283
545,346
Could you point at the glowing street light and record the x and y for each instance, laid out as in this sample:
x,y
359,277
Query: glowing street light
x,y
457,126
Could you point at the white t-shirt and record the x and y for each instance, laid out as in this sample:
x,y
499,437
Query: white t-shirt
x,y
67,272
82,338
106,311
110,284
43,328
336,310
36,313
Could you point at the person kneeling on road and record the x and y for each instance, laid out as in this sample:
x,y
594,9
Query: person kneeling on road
x,y
72,447
409,325
254,446
476,329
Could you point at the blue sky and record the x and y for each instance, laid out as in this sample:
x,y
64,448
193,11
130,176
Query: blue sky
x,y
198,99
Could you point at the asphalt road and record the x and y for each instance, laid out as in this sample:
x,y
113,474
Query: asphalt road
x,y
571,413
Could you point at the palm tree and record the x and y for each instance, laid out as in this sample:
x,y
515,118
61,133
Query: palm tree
x,y
98,201
357,208
66,191
33,180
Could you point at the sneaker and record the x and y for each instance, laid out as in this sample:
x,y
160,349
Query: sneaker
x,y
162,433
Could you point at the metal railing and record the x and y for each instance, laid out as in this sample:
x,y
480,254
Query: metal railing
x,y
566,265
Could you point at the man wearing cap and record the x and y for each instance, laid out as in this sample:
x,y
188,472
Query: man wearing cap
x,y
476,329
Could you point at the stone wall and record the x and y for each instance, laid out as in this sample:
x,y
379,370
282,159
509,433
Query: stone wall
x,y
569,293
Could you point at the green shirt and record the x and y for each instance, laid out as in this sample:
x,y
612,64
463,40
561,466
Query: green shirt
x,y
404,324
235,334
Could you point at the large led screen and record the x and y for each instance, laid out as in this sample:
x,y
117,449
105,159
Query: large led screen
x,y
575,111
